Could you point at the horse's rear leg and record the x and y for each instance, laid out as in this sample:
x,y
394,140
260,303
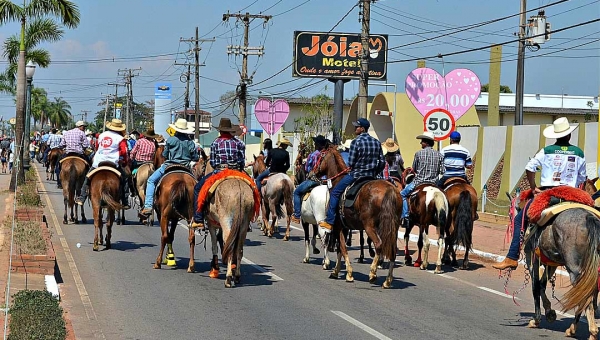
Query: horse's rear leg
x,y
440,243
593,328
109,225
344,252
550,313
361,237
97,213
192,241
307,242
83,218
163,240
214,263
407,257
65,215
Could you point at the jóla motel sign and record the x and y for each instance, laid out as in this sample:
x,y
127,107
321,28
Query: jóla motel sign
x,y
440,122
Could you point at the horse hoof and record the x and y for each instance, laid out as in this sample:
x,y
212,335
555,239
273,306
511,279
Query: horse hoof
x,y
157,266
551,316
372,279
76,222
417,264
407,260
191,270
371,252
349,278
325,266
333,276
108,246
316,251
229,282
65,222
533,324
570,332
95,248
318,237
214,273
438,270
386,285
237,279
286,238
83,221
306,260
465,266
423,266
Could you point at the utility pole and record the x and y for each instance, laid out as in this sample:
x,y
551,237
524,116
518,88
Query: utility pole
x,y
106,111
84,115
196,40
363,85
186,102
520,66
245,51
116,85
128,75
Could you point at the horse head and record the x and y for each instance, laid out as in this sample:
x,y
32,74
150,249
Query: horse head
x,y
330,164
259,165
589,186
202,167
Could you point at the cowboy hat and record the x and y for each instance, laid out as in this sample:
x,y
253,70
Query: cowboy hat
x,y
225,125
319,140
426,135
88,132
150,134
80,123
384,149
115,125
238,130
559,128
159,139
181,125
285,141
390,145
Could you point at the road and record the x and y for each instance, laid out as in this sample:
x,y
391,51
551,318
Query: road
x,y
116,294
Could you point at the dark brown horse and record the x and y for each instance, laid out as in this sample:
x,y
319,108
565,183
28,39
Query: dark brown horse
x,y
104,194
376,210
427,206
72,175
462,202
159,159
174,201
53,157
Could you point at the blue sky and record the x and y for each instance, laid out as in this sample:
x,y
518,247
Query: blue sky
x,y
136,28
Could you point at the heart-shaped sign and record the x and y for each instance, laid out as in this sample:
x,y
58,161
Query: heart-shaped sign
x,y
456,92
271,115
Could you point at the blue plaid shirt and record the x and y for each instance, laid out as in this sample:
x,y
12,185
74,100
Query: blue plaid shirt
x,y
366,156
312,160
227,150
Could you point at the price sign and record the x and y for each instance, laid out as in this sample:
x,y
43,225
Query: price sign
x,y
440,122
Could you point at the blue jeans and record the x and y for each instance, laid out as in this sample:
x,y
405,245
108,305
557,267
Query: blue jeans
x,y
199,210
299,192
405,193
334,197
515,243
259,179
152,181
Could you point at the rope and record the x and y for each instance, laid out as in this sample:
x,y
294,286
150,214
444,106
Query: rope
x,y
494,204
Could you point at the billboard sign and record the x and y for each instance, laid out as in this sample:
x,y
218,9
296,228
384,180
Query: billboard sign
x,y
163,91
337,55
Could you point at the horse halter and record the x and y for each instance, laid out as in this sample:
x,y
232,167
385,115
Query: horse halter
x,y
320,161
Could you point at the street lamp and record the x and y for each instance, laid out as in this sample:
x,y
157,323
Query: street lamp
x,y
29,72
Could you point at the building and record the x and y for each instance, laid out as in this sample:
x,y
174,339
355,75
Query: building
x,y
190,114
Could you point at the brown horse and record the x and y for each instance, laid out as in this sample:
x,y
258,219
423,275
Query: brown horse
x,y
462,205
427,206
53,158
376,210
174,201
141,180
104,194
72,175
159,159
589,186
278,191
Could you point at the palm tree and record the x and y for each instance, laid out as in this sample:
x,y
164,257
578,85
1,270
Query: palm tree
x,y
39,105
60,113
65,11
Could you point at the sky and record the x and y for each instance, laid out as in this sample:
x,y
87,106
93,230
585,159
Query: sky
x,y
146,34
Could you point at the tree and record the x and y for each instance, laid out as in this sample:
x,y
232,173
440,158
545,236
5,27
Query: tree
x,y
39,105
317,120
60,113
65,11
503,88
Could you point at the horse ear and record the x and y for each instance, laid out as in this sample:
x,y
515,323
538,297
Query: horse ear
x,y
253,155
594,180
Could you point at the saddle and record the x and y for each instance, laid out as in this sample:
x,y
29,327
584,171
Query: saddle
x,y
349,196
177,167
310,188
134,172
452,181
547,203
212,182
102,167
264,180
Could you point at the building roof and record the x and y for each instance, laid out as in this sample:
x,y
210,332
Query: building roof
x,y
543,110
192,112
307,100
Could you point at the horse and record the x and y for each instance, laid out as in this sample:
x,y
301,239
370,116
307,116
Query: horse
x,y
376,210
141,180
278,191
72,175
589,186
313,210
105,185
159,159
462,205
53,158
427,206
40,152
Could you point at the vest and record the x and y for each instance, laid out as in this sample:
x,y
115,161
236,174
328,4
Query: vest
x,y
108,148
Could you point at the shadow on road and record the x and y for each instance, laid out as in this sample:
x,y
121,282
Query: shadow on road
x,y
129,246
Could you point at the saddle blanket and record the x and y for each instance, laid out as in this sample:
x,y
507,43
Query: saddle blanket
x,y
73,157
542,200
213,181
100,168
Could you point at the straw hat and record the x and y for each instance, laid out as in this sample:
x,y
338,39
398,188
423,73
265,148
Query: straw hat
x,y
181,125
115,125
559,128
225,125
150,134
88,132
390,145
384,149
285,141
426,135
80,123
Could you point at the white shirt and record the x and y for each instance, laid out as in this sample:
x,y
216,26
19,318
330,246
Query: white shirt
x,y
561,165
108,148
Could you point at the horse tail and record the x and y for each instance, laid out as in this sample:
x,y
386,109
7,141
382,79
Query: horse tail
x,y
178,196
72,184
585,286
107,198
441,208
389,223
464,221
287,194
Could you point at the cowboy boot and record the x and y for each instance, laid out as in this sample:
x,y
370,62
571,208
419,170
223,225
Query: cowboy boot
x,y
506,264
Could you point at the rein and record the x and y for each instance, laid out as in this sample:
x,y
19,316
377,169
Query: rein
x,y
318,166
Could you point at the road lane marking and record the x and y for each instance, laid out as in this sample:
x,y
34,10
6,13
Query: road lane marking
x,y
360,325
489,290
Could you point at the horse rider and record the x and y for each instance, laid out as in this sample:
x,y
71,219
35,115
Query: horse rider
x,y
144,149
393,158
302,151
365,160
226,152
179,149
345,150
74,142
133,138
456,159
304,187
278,161
52,142
112,148
562,164
267,147
428,165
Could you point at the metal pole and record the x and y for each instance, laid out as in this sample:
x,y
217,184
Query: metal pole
x,y
26,158
363,84
338,110
394,114
520,66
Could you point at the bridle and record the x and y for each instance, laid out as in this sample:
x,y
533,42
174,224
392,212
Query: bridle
x,y
318,167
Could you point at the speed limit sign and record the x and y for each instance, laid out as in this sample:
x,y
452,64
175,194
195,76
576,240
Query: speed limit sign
x,y
440,122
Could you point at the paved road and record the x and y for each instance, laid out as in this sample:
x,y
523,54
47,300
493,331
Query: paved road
x,y
116,294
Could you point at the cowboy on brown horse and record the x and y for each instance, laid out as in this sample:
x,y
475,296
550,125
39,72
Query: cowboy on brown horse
x,y
74,142
226,152
562,164
428,165
144,149
112,148
179,150
52,141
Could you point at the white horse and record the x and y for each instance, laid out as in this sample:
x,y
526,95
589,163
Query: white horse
x,y
314,209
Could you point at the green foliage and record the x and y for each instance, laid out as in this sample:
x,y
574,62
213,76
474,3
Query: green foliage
x,y
503,88
31,175
28,195
35,314
317,119
29,239
143,115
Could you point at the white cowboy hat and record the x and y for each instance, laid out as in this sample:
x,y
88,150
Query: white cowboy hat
x,y
559,128
426,135
80,123
88,132
391,145
181,125
115,125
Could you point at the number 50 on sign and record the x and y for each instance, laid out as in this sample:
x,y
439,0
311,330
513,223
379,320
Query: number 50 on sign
x,y
440,122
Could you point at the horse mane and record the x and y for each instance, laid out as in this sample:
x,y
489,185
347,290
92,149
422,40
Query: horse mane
x,y
339,161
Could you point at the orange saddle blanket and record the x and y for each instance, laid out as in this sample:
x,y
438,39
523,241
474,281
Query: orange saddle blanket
x,y
542,200
213,181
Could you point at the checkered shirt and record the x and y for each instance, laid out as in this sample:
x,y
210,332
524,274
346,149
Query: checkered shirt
x,y
312,161
366,156
75,141
143,150
227,151
54,141
428,166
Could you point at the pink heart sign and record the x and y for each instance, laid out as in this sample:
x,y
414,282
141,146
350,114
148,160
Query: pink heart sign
x,y
456,92
271,116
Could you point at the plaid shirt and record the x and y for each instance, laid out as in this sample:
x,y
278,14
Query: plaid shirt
x,y
143,150
366,156
428,166
312,161
227,150
54,141
75,141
